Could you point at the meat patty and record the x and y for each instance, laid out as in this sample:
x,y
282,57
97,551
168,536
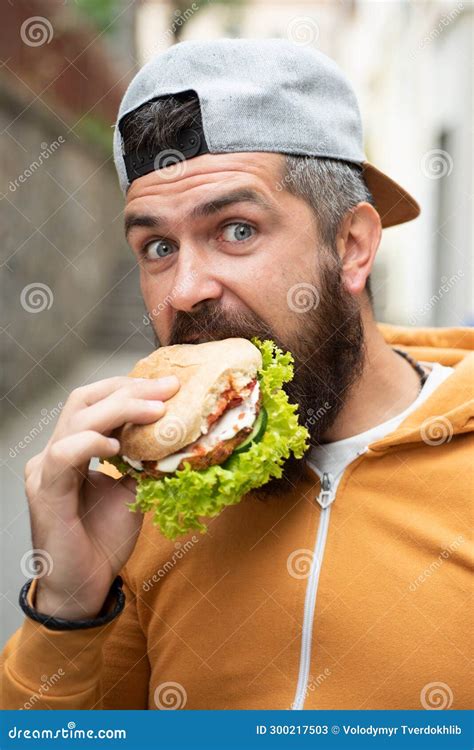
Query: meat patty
x,y
217,455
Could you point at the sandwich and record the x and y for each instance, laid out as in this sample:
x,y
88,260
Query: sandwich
x,y
227,430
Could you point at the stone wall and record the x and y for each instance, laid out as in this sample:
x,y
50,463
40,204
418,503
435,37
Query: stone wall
x,y
62,238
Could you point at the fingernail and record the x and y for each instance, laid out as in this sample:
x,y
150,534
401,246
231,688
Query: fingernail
x,y
156,405
168,380
114,444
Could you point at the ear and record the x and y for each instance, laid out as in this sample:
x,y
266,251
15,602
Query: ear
x,y
357,243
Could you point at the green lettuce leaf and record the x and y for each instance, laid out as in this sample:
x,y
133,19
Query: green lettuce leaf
x,y
181,501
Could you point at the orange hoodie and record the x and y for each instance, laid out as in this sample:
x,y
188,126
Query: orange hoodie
x,y
220,621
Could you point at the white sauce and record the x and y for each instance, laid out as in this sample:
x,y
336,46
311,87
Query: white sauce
x,y
226,427
136,464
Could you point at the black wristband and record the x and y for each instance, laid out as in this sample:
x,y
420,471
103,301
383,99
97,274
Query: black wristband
x,y
58,623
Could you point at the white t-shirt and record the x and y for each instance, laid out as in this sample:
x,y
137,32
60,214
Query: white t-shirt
x,y
332,458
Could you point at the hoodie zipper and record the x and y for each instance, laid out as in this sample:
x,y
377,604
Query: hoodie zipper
x,y
325,500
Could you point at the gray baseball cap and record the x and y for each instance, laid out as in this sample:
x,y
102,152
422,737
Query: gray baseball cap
x,y
260,95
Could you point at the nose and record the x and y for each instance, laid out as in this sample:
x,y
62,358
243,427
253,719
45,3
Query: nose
x,y
194,281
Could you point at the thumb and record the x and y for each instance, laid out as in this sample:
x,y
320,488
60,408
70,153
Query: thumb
x,y
129,484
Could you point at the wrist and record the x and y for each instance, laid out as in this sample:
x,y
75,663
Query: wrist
x,y
62,618
52,604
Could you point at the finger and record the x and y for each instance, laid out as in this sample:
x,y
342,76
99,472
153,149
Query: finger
x,y
115,411
117,407
87,395
125,482
33,463
65,457
129,484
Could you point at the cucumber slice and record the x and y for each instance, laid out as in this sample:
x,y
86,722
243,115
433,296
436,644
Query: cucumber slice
x,y
257,433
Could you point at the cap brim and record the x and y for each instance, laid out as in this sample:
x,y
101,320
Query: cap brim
x,y
392,202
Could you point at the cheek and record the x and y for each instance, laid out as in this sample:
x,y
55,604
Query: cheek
x,y
149,288
271,279
263,285
154,292
253,279
287,288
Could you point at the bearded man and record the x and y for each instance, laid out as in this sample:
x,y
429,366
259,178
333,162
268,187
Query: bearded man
x,y
252,211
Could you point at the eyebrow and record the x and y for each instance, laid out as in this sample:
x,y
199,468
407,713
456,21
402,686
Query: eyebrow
x,y
244,195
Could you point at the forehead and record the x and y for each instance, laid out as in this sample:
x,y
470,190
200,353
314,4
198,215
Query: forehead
x,y
206,173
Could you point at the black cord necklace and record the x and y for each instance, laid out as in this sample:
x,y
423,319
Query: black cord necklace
x,y
416,366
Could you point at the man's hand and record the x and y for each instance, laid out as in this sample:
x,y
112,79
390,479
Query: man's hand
x,y
79,517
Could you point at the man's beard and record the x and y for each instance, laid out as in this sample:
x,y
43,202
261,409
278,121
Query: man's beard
x,y
327,347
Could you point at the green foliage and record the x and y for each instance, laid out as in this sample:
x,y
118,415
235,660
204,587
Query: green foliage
x,y
92,129
101,13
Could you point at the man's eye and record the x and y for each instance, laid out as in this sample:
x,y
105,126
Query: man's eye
x,y
237,232
158,249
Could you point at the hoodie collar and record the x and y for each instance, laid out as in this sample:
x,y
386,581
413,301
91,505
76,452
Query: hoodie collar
x,y
449,410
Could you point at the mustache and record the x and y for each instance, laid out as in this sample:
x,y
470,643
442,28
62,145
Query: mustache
x,y
326,342
211,322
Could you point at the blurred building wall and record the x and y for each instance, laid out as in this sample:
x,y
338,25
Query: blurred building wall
x,y
60,238
412,63
68,279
